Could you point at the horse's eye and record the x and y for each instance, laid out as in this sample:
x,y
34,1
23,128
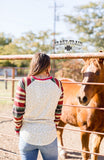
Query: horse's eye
x,y
97,73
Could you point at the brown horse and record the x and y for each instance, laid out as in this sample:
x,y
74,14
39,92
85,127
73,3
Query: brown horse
x,y
88,95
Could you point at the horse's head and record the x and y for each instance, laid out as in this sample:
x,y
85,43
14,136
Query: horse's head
x,y
93,71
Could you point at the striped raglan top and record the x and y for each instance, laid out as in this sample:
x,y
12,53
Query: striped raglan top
x,y
37,105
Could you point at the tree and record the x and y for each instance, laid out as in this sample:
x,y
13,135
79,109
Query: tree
x,y
4,39
32,43
28,43
88,24
8,47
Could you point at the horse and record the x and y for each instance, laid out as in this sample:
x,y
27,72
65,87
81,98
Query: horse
x,y
88,119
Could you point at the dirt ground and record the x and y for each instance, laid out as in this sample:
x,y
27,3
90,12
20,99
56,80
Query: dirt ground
x,y
9,141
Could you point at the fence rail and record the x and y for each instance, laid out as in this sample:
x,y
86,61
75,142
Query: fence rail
x,y
56,56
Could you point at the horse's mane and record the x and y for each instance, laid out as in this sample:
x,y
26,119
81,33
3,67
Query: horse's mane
x,y
95,61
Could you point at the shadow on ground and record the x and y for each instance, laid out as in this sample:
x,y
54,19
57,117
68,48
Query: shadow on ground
x,y
76,155
73,155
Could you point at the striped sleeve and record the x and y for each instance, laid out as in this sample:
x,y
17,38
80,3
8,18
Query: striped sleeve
x,y
60,104
19,105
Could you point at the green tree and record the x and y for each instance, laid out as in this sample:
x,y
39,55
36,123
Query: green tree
x,y
88,23
8,47
28,43
32,43
4,39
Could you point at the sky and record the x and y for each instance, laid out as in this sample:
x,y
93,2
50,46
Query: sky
x,y
20,16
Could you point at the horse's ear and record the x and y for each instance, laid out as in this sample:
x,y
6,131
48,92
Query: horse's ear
x,y
85,59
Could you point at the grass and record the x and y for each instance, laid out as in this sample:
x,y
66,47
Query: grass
x,y
5,102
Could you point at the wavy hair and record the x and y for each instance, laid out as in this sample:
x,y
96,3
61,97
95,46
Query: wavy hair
x,y
39,63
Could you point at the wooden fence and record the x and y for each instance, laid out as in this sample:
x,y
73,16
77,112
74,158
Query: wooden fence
x,y
99,54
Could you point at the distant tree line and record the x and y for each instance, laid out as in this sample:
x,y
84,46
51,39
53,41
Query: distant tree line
x,y
28,43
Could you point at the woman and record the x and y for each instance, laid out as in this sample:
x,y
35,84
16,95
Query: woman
x,y
37,105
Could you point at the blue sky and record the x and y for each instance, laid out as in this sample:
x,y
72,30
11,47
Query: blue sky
x,y
19,16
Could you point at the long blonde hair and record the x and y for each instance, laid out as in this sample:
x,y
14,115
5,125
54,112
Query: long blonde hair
x,y
39,63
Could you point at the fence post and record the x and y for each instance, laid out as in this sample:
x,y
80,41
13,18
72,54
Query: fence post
x,y
5,76
13,82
